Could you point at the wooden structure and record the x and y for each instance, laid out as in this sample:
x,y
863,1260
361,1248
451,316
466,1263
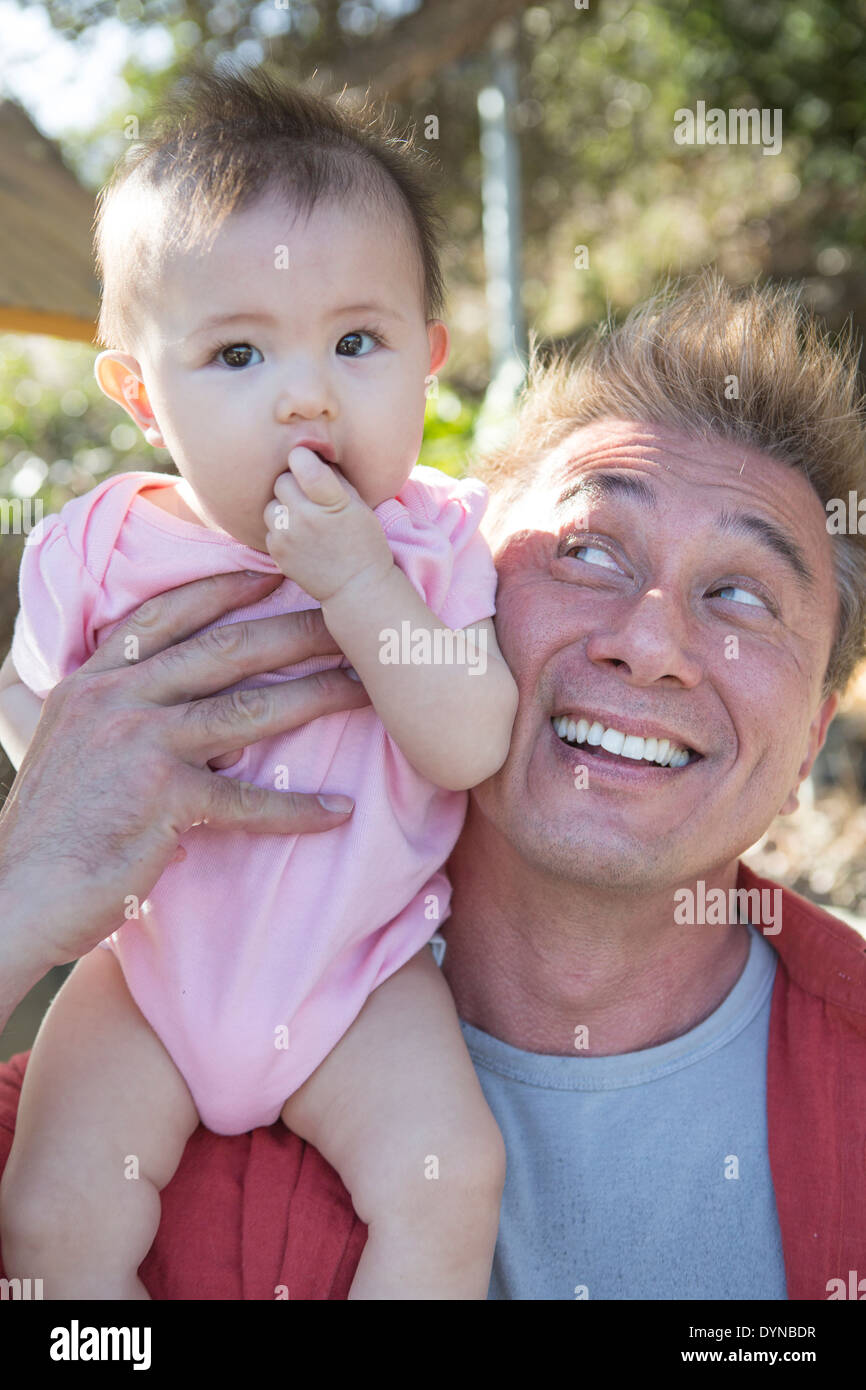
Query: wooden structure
x,y
47,284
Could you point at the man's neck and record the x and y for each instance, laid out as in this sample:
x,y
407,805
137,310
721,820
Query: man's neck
x,y
532,959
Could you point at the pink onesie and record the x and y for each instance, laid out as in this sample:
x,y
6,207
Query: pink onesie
x,y
253,955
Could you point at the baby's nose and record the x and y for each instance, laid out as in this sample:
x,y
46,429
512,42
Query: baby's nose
x,y
307,393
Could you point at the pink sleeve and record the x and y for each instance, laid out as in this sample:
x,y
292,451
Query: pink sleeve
x,y
433,531
54,630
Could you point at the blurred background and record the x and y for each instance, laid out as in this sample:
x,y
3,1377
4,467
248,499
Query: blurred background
x,y
565,194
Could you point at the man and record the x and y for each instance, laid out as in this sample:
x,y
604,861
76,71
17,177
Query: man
x,y
681,1092
666,572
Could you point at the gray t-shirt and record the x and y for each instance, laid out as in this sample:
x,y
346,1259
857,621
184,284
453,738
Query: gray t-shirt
x,y
645,1175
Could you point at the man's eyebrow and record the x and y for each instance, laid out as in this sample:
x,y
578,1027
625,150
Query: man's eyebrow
x,y
592,487
744,524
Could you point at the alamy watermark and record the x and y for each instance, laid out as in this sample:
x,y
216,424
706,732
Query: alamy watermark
x,y
23,1289
19,516
714,907
77,1343
852,1288
440,647
846,519
739,126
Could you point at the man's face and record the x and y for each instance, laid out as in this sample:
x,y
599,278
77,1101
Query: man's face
x,y
292,328
669,588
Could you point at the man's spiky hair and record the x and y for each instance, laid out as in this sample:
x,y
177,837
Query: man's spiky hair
x,y
221,142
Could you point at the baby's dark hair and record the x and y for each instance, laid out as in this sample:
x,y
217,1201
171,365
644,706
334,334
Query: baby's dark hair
x,y
224,141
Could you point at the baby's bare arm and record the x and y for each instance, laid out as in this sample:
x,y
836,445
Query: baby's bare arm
x,y
397,1109
102,1124
451,711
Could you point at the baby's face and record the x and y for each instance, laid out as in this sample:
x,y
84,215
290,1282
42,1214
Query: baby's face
x,y
290,330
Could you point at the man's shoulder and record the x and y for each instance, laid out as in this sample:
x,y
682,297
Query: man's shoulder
x,y
820,953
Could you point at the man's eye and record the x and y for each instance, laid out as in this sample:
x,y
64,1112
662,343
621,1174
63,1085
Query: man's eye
x,y
594,555
238,355
746,595
353,344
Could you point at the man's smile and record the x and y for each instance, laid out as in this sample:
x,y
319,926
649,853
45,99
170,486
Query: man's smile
x,y
613,735
607,757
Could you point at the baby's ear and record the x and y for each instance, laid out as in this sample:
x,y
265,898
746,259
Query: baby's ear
x,y
437,336
119,376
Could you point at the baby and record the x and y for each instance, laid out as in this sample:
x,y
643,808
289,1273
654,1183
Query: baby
x,y
271,288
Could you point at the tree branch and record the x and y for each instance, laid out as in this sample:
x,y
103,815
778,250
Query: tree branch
x,y
415,48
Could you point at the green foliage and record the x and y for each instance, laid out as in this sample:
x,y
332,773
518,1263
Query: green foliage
x,y
448,427
602,168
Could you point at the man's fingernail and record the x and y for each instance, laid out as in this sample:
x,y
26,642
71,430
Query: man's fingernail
x,y
337,803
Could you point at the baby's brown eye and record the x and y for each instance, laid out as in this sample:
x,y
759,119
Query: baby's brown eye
x,y
238,355
353,344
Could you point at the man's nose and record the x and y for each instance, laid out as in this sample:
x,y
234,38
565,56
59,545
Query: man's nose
x,y
305,391
648,638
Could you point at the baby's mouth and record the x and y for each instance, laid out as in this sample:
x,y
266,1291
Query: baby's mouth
x,y
322,451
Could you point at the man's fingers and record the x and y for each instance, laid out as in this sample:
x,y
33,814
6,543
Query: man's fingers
x,y
178,613
225,760
222,657
241,804
210,728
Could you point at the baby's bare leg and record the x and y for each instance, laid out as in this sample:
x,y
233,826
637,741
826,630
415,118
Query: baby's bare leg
x,y
102,1124
397,1109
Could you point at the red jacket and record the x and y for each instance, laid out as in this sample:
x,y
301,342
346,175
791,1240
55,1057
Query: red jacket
x,y
262,1215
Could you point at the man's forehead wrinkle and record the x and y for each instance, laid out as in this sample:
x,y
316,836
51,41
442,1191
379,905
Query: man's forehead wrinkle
x,y
617,456
745,523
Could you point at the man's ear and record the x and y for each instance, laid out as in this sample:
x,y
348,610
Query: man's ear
x,y
817,735
119,376
437,336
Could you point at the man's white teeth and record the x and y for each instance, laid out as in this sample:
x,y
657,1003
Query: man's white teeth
x,y
613,741
648,750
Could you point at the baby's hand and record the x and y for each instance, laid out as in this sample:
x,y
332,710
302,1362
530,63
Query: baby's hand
x,y
321,532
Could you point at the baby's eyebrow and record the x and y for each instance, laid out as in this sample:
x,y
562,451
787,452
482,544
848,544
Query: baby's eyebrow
x,y
223,320
381,309
218,320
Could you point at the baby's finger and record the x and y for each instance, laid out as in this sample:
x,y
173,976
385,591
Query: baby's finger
x,y
287,501
318,481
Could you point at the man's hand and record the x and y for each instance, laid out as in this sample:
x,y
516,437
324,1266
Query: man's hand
x,y
321,533
118,768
